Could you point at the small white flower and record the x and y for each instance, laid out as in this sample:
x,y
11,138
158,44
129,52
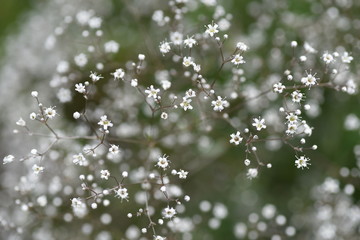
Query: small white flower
x,y
134,82
182,174
105,174
111,46
296,96
152,92
34,94
197,67
169,212
278,87
327,58
76,115
219,104
76,203
165,84
163,162
187,61
114,149
176,38
164,47
122,193
159,237
346,58
95,77
105,122
141,57
33,116
236,138
259,123
185,104
37,169
8,159
21,122
164,115
190,42
118,74
292,127
252,173
242,46
79,159
190,93
292,118
238,59
50,112
302,162
309,80
212,29
79,87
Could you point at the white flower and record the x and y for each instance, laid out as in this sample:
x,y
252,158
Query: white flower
x,y
164,115
118,74
152,92
76,115
236,138
242,46
190,93
308,48
95,77
238,59
219,104
81,60
309,80
190,42
176,38
296,96
292,118
212,29
76,203
34,94
141,57
105,122
134,82
165,84
259,123
37,169
50,112
163,162
21,122
185,104
79,87
327,58
292,127
8,159
278,87
302,162
164,47
114,149
105,174
79,159
111,46
197,67
252,173
346,58
122,193
187,61
33,116
182,174
169,212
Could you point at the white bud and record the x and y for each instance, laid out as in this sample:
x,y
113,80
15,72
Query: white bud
x,y
34,94
76,115
125,174
163,189
294,44
141,57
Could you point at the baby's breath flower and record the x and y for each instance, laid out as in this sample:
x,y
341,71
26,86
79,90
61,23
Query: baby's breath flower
x,y
185,104
152,92
219,104
309,80
236,138
76,203
212,29
37,169
176,38
50,112
21,122
164,47
242,46
105,174
238,59
346,58
169,212
182,174
252,173
114,149
33,116
327,58
79,159
259,123
164,115
187,61
190,93
302,162
95,77
118,74
122,193
278,87
8,159
190,42
163,162
158,237
105,122
79,87
296,96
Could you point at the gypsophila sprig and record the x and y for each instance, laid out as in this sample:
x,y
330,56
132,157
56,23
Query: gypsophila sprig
x,y
302,162
259,123
104,122
236,138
